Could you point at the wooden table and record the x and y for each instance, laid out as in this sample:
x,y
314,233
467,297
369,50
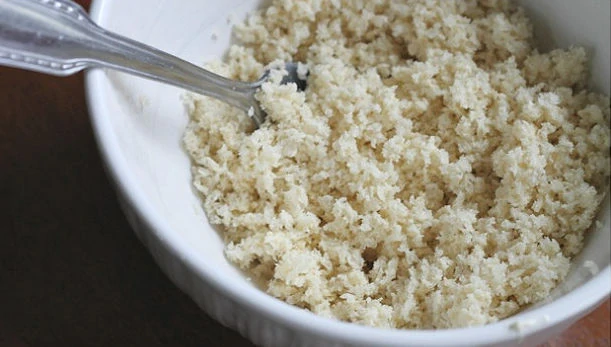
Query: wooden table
x,y
72,273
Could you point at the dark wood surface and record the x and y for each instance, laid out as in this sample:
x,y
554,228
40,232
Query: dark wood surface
x,y
72,273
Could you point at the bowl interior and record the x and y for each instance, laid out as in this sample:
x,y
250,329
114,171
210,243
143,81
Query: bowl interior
x,y
146,120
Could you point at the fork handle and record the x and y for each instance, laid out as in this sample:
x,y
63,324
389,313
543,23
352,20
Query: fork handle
x,y
57,37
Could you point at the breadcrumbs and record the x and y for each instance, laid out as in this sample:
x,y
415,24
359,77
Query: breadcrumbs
x,y
437,172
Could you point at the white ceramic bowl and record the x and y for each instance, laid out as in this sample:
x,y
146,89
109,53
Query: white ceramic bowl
x,y
139,125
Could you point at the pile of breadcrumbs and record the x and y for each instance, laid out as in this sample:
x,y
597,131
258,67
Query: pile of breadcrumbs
x,y
437,172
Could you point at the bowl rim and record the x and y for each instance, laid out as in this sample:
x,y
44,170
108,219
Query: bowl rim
x,y
568,307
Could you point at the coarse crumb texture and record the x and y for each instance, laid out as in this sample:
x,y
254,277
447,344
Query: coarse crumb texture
x,y
437,172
